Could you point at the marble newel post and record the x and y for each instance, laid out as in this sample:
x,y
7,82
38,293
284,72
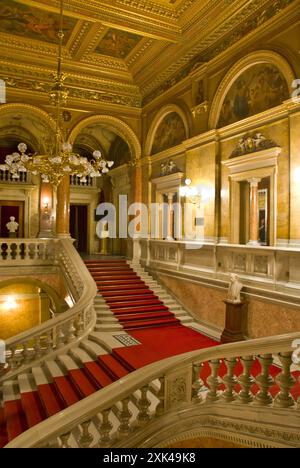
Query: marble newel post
x,y
63,208
254,212
170,216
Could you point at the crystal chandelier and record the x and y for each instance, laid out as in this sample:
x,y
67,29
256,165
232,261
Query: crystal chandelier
x,y
59,160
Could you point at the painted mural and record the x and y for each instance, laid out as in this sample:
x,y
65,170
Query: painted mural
x,y
259,88
117,43
32,23
170,132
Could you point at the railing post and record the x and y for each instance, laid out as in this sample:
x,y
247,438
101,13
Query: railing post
x,y
214,380
264,381
197,382
246,380
285,381
230,380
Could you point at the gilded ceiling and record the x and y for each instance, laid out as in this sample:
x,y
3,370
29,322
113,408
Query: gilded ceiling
x,y
121,51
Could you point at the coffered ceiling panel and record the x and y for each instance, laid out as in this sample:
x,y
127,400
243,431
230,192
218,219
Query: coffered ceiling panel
x,y
32,23
117,43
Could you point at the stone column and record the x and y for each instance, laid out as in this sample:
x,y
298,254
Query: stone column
x,y
170,217
63,208
254,215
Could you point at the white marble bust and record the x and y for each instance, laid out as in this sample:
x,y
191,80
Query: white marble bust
x,y
234,291
12,226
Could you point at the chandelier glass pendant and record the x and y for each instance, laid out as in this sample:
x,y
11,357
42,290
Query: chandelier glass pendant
x,y
59,160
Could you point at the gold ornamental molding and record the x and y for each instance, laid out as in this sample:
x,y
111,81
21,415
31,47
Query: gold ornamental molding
x,y
117,125
29,110
212,43
158,119
263,56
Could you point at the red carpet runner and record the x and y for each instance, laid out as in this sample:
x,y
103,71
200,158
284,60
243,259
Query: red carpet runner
x,y
145,318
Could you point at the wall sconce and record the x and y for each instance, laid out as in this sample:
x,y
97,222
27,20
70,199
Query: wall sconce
x,y
10,304
46,206
190,192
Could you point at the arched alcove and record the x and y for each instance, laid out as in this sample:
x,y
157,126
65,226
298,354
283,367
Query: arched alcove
x,y
256,83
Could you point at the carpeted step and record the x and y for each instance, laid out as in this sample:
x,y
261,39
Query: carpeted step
x,y
135,304
141,310
15,418
150,323
120,283
105,262
112,367
82,383
111,270
146,316
3,431
32,408
128,292
135,357
111,301
97,374
50,400
66,391
124,277
120,288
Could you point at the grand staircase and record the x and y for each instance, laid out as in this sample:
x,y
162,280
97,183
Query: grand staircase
x,y
138,323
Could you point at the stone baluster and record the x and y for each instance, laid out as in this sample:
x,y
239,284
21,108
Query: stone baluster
x,y
10,251
246,380
105,428
86,437
264,381
36,251
37,347
285,381
65,440
160,409
198,382
71,331
25,251
26,355
143,406
60,338
12,361
229,380
214,380
49,342
125,416
19,251
80,324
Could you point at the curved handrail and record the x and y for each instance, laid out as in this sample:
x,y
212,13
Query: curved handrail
x,y
67,327
103,400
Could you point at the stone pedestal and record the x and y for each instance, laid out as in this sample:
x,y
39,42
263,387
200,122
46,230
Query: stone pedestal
x,y
235,319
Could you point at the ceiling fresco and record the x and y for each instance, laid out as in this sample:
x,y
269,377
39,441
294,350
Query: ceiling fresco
x,y
32,23
117,43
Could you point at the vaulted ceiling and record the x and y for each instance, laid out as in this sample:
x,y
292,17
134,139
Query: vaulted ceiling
x,y
121,51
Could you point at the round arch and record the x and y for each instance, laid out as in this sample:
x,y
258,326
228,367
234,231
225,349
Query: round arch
x,y
117,125
42,120
168,109
255,58
57,301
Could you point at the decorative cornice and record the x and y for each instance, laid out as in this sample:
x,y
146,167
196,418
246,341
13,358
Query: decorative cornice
x,y
253,16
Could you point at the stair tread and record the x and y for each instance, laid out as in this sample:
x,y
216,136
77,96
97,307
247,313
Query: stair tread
x,y
129,292
98,374
32,408
140,297
146,316
82,383
66,391
150,323
15,418
113,367
50,399
133,304
141,310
